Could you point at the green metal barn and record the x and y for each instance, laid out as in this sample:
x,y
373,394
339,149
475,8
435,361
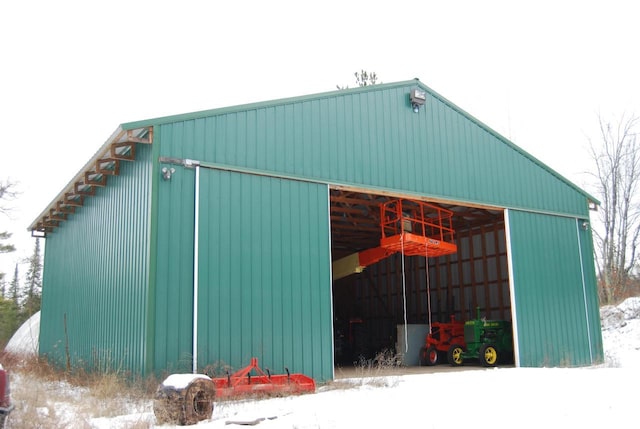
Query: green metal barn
x,y
204,239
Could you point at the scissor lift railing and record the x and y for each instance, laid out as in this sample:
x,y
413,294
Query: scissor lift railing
x,y
413,228
416,228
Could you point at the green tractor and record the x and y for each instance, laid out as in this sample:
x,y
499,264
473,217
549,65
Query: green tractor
x,y
489,341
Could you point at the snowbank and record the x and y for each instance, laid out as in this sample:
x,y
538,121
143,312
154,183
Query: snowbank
x,y
621,333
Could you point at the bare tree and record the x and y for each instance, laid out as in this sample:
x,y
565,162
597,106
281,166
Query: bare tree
x,y
363,78
7,193
617,162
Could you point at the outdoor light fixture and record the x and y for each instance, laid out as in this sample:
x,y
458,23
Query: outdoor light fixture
x,y
167,172
585,225
418,98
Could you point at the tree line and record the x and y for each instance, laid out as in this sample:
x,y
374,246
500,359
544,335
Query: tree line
x,y
18,300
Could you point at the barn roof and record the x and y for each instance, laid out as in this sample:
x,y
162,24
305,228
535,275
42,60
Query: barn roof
x,y
120,147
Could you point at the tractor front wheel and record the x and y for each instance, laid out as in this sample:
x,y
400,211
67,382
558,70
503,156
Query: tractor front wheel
x,y
454,355
489,355
429,356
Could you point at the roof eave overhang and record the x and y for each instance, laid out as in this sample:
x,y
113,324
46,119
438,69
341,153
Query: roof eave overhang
x,y
105,162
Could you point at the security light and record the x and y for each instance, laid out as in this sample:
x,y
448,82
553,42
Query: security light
x,y
167,172
418,98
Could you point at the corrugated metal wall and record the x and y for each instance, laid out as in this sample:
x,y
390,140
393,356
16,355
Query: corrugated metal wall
x,y
265,286
96,275
264,273
172,269
371,137
555,293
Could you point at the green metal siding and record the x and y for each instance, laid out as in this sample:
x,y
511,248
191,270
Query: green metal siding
x,y
95,275
555,294
371,137
172,260
264,273
265,287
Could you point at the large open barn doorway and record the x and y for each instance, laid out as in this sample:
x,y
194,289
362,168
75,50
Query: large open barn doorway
x,y
371,307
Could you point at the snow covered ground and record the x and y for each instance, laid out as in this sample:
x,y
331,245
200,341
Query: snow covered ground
x,y
593,397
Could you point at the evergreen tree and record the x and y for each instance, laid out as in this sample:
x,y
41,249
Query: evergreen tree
x,y
8,320
7,193
14,288
33,286
10,310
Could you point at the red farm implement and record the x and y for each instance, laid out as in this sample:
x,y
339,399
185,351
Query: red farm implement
x,y
440,339
188,398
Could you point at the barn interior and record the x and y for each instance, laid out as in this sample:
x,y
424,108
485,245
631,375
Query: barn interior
x,y
372,306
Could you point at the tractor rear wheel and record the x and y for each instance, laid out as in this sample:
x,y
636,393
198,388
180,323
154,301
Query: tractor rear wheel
x,y
489,355
454,355
429,356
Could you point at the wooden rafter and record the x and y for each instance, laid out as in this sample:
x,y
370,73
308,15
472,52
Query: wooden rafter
x,y
57,216
87,190
355,219
74,199
91,178
125,155
106,162
102,166
130,138
63,207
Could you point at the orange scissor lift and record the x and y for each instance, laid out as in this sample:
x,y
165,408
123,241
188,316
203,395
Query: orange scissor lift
x,y
411,227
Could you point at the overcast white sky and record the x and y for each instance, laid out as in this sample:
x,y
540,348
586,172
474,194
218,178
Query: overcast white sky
x,y
72,71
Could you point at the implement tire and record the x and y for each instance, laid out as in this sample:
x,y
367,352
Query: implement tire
x,y
198,401
184,406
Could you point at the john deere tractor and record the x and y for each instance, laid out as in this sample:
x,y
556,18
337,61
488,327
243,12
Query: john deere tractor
x,y
489,341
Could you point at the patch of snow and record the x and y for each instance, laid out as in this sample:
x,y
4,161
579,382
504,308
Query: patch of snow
x,y
590,397
124,422
614,317
181,381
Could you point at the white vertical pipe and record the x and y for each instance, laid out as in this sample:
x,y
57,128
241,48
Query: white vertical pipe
x,y
584,290
196,229
512,288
